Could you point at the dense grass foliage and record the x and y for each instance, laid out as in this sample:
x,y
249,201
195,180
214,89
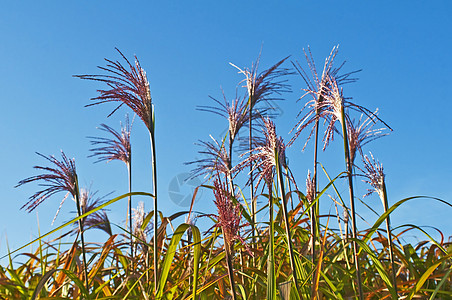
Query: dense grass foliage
x,y
296,253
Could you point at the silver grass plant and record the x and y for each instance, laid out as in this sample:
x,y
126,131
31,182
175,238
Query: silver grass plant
x,y
116,147
98,219
317,87
262,88
129,85
362,132
60,177
374,175
268,160
228,219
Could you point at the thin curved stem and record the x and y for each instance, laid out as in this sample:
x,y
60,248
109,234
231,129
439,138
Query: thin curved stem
x,y
228,251
129,208
286,222
388,231
352,202
154,183
80,224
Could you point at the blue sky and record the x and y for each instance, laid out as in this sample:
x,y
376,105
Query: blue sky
x,y
186,47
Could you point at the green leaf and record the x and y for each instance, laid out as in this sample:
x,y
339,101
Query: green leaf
x,y
170,255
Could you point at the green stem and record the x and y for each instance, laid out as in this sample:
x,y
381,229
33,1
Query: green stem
x,y
312,209
80,225
253,201
227,248
352,202
231,184
129,208
271,279
388,230
286,221
154,182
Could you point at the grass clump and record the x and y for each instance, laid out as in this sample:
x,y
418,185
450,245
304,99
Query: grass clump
x,y
295,253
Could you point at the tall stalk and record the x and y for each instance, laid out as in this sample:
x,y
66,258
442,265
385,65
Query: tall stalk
x,y
129,207
117,148
80,224
348,164
388,231
286,218
260,88
313,210
229,264
61,177
154,184
271,277
317,88
130,86
250,148
376,178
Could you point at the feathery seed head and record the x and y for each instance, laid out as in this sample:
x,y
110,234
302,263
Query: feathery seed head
x,y
261,86
62,177
374,175
335,104
361,133
116,148
236,112
138,216
229,214
338,104
318,87
310,188
265,156
216,160
128,86
98,219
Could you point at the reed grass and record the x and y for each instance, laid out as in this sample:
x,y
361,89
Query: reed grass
x,y
239,256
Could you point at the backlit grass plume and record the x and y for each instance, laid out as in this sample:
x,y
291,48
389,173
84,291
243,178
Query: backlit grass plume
x,y
228,219
267,153
61,177
98,219
361,133
262,88
374,175
216,160
116,147
317,88
266,160
235,112
129,85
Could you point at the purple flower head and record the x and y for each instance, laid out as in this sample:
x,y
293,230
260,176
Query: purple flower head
x,y
336,103
62,177
216,160
115,148
374,175
236,112
128,85
361,133
138,216
310,188
229,214
266,154
318,88
98,219
261,87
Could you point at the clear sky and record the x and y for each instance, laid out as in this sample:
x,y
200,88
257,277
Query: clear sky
x,y
403,48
